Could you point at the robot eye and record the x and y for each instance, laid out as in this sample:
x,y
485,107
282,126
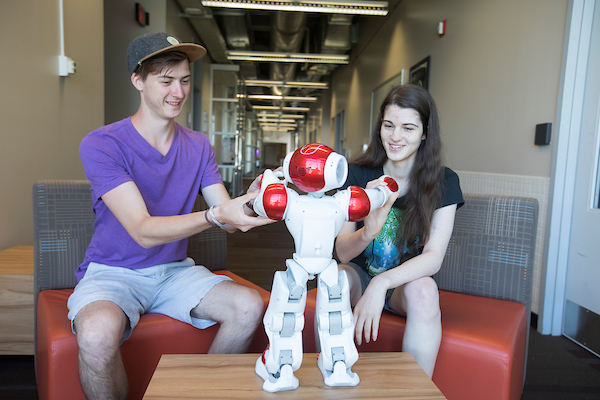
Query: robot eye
x,y
302,171
340,172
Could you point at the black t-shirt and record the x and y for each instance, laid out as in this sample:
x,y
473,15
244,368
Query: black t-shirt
x,y
385,251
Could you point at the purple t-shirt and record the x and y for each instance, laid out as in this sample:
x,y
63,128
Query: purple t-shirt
x,y
117,153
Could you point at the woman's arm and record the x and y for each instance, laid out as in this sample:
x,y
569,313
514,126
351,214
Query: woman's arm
x,y
367,312
427,263
351,242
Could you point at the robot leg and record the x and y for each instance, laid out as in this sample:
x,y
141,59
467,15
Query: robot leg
x,y
336,329
284,321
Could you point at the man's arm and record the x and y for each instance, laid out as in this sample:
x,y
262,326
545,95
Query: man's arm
x,y
233,213
126,203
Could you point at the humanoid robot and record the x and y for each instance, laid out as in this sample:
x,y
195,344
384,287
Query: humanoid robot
x,y
314,221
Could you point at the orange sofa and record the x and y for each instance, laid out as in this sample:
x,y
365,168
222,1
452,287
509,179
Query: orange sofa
x,y
155,335
482,355
63,224
485,298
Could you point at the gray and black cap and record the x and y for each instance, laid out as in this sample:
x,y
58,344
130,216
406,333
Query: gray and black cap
x,y
152,44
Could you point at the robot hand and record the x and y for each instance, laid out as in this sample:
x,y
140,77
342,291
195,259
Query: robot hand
x,y
272,199
362,201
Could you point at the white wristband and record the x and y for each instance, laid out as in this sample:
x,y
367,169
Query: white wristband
x,y
210,223
212,216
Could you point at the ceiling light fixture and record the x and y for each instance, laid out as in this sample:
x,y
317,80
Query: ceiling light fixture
x,y
276,121
277,115
287,57
276,97
277,108
291,126
299,85
276,129
317,6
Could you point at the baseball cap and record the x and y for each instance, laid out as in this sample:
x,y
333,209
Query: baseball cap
x,y
152,44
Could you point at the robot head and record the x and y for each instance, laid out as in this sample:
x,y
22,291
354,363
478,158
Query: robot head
x,y
315,168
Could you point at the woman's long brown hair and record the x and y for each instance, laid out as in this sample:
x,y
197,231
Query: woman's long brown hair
x,y
426,177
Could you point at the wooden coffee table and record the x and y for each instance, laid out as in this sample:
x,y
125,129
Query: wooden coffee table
x,y
204,376
16,301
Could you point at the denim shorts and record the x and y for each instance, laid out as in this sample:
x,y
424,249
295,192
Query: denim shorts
x,y
172,289
365,279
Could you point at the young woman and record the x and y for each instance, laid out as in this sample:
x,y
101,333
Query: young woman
x,y
391,255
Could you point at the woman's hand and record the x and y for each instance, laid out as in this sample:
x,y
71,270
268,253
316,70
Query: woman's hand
x,y
376,218
367,312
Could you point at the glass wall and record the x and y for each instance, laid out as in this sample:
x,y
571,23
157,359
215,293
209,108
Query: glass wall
x,y
225,127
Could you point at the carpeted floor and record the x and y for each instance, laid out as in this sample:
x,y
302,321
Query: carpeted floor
x,y
558,369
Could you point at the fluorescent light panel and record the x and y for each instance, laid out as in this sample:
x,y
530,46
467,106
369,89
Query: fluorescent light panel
x,y
276,121
318,6
287,116
278,126
276,129
287,57
277,108
284,98
267,83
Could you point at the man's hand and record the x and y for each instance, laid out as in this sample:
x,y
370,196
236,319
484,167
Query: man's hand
x,y
232,214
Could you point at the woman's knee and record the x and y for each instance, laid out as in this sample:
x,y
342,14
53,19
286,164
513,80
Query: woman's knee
x,y
422,296
354,283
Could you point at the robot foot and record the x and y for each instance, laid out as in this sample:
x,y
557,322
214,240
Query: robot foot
x,y
340,376
284,381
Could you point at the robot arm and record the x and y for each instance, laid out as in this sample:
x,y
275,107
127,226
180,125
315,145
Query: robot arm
x,y
272,200
360,202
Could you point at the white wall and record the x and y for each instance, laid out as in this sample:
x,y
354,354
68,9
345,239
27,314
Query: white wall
x,y
121,98
494,76
43,116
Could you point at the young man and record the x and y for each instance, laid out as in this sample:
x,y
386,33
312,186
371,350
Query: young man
x,y
146,172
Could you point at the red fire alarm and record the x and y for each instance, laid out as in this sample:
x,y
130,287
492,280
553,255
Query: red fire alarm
x,y
442,28
141,16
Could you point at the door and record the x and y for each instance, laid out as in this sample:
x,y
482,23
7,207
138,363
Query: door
x,y
581,321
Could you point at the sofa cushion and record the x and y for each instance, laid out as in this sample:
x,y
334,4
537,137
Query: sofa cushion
x,y
482,353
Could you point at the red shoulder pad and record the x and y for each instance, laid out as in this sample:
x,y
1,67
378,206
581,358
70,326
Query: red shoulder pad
x,y
359,205
275,201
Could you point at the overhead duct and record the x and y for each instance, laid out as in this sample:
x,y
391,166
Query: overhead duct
x,y
236,34
337,39
287,34
206,28
337,35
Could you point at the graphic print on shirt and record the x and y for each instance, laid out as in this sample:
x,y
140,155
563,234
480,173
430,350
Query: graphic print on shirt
x,y
383,252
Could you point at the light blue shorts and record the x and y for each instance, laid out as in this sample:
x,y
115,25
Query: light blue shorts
x,y
365,279
172,289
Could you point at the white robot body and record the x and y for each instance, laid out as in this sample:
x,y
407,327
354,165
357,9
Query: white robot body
x,y
314,224
314,220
